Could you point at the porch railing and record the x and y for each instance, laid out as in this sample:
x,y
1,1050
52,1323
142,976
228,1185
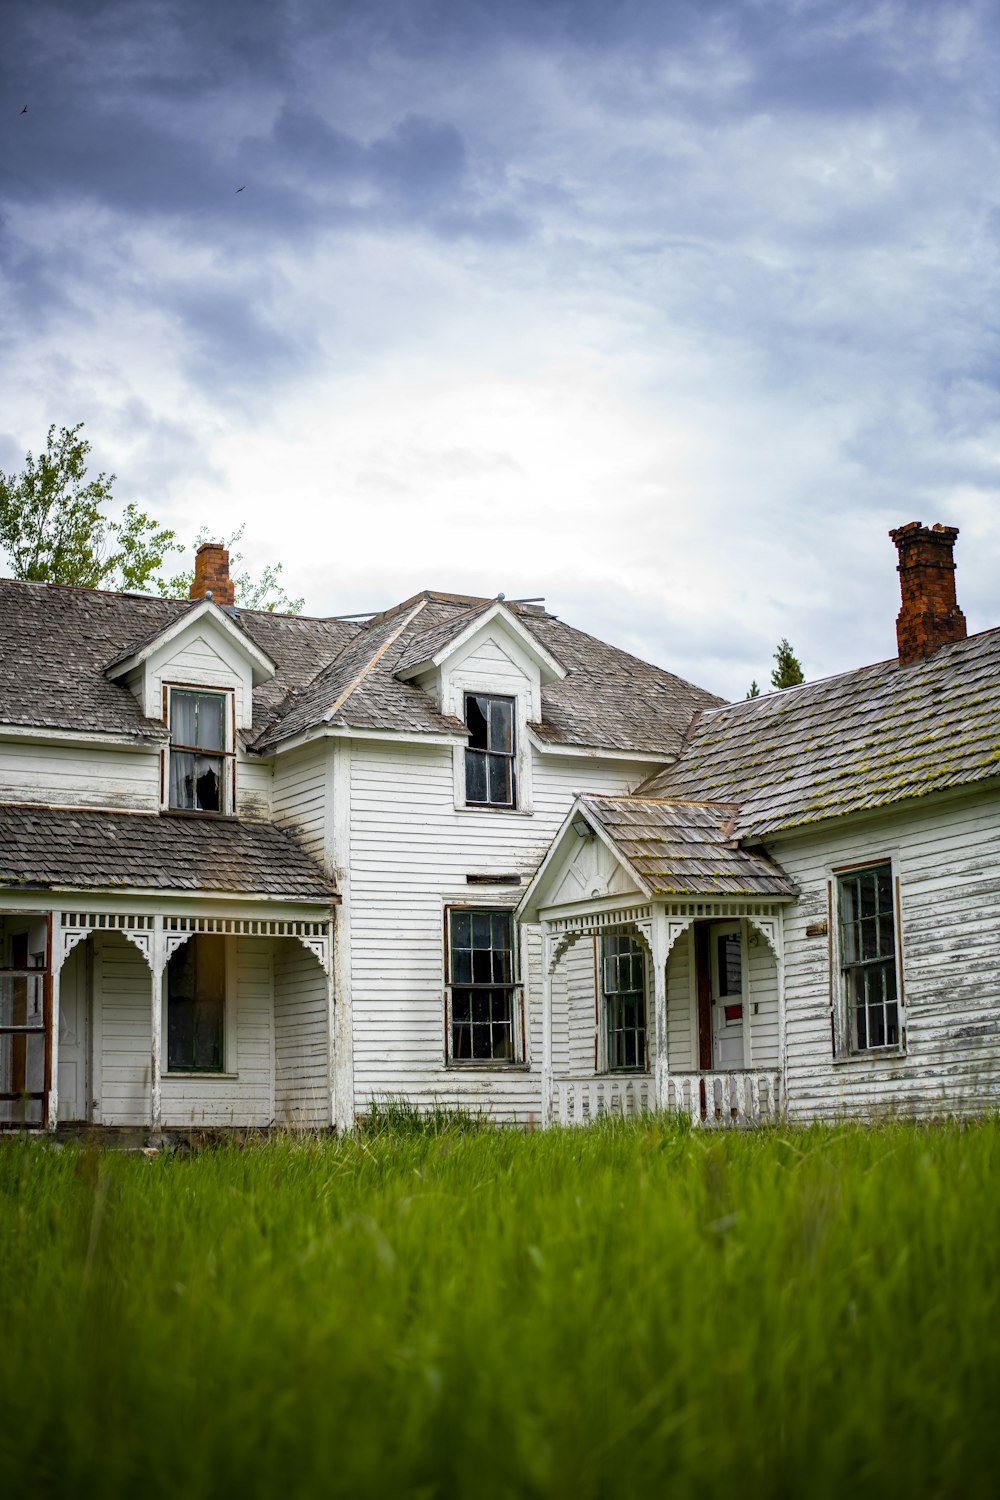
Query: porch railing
x,y
708,1100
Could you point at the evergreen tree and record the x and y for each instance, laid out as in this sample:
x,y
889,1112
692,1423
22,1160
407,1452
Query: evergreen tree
x,y
788,669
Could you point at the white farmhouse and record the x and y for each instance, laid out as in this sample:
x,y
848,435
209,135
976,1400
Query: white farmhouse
x,y
262,869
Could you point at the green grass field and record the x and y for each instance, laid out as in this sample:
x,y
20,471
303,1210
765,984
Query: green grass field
x,y
625,1310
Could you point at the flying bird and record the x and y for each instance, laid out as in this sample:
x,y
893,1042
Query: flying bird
x,y
24,110
241,189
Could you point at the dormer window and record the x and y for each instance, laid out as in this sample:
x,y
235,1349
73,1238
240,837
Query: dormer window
x,y
489,756
201,754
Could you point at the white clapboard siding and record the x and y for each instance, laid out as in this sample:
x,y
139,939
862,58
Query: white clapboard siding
x,y
206,1101
762,1023
948,859
579,962
682,1042
253,787
300,793
123,1031
411,850
301,1038
493,669
80,775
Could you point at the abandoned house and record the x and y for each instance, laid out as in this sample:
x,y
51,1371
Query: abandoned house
x,y
261,869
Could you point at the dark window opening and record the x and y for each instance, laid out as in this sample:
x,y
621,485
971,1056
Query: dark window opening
x,y
196,1006
198,755
624,971
489,757
868,958
481,972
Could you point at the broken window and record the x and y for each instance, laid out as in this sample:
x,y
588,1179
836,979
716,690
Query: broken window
x,y
196,1006
200,758
868,957
483,989
623,968
489,758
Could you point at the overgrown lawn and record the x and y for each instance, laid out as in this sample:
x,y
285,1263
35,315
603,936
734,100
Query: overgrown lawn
x,y
453,1310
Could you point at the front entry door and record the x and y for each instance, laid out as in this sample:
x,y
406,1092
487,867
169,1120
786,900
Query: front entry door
x,y
728,996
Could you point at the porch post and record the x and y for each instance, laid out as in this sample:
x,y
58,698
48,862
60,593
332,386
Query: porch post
x,y
658,946
156,965
546,1027
52,1118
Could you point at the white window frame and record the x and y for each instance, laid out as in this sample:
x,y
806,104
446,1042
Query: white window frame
x,y
230,1054
844,1044
605,998
519,1039
461,683
228,754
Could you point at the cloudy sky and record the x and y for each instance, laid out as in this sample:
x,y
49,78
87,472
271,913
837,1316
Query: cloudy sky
x,y
665,311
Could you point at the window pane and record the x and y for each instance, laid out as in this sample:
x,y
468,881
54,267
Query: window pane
x,y
500,769
476,716
502,724
475,776
482,996
730,964
181,779
207,777
211,729
183,718
196,1003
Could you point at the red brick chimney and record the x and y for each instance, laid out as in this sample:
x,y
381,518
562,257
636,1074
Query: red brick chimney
x,y
930,616
211,574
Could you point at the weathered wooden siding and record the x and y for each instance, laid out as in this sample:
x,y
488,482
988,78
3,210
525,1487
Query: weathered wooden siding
x,y
79,775
302,793
948,860
200,660
245,1097
253,787
763,1039
411,850
579,963
301,1038
122,1003
122,1031
682,1047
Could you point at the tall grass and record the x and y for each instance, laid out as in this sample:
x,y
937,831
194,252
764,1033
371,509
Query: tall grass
x,y
626,1310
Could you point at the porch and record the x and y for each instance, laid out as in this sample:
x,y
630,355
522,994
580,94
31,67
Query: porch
x,y
707,1100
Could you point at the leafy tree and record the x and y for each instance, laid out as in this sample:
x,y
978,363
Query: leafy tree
x,y
754,690
264,592
53,530
788,669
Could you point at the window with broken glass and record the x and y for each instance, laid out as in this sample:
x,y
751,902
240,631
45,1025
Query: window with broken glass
x,y
196,1006
200,760
483,987
489,756
623,966
868,957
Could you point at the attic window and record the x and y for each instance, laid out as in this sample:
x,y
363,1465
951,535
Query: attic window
x,y
201,760
489,757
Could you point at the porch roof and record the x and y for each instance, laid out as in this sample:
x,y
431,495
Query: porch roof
x,y
681,848
44,847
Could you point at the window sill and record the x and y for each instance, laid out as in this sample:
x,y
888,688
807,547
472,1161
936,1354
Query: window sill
x,y
871,1056
494,812
204,1075
197,812
453,1065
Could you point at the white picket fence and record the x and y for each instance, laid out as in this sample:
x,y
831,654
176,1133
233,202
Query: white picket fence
x,y
709,1100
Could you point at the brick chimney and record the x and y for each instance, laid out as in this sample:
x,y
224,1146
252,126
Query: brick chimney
x,y
211,574
930,616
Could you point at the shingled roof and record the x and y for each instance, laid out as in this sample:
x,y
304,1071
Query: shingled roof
x,y
59,641
684,848
45,847
862,740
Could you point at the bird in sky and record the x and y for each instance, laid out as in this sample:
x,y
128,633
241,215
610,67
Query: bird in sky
x,y
24,110
241,189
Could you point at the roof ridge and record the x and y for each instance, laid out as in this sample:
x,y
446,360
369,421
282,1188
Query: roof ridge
x,y
372,662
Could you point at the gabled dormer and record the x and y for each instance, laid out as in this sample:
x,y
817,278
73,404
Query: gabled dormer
x,y
487,669
197,674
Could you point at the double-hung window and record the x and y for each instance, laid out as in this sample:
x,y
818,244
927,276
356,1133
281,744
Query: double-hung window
x,y
867,923
196,1006
489,758
483,1011
201,757
623,965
